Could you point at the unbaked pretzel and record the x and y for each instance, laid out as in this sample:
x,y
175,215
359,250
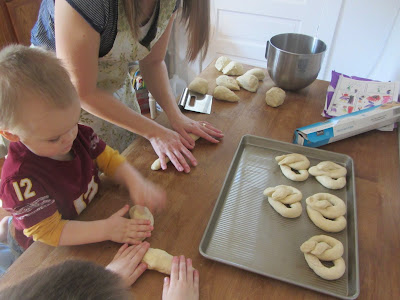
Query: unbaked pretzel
x,y
283,194
294,161
329,174
326,248
326,211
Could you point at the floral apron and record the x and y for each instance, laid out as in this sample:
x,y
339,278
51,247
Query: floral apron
x,y
114,74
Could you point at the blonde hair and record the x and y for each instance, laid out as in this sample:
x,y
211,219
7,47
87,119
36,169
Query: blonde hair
x,y
27,72
195,16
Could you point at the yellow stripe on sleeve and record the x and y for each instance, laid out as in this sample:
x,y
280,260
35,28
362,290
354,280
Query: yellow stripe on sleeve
x,y
109,160
47,231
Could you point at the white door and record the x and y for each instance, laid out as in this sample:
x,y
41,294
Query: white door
x,y
240,29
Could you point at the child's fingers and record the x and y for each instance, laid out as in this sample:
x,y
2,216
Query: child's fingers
x,y
182,268
196,281
140,228
165,288
175,269
190,275
137,253
137,272
121,250
139,222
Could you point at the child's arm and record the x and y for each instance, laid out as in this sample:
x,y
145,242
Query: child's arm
x,y
142,192
116,228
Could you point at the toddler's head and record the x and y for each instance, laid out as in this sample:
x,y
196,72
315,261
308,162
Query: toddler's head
x,y
39,104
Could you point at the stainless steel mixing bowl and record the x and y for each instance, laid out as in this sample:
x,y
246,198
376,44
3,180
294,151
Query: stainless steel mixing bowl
x,y
294,60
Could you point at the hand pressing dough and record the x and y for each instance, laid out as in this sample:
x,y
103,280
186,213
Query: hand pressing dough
x,y
329,174
142,213
199,85
327,212
256,72
275,97
228,82
281,196
248,82
156,165
233,68
221,62
223,93
326,248
159,260
294,166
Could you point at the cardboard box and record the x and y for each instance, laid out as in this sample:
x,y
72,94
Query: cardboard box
x,y
345,126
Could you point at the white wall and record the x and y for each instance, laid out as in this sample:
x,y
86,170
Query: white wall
x,y
366,43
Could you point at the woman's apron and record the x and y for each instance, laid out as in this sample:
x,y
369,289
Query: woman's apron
x,y
114,75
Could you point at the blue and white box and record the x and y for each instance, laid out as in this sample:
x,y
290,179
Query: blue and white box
x,y
339,128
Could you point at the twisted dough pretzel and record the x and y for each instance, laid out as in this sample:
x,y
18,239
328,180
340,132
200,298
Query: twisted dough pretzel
x,y
326,248
329,174
294,161
326,211
283,194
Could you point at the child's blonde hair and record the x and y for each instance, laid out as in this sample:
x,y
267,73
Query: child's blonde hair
x,y
31,72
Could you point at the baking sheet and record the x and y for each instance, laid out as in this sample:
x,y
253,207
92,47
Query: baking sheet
x,y
246,232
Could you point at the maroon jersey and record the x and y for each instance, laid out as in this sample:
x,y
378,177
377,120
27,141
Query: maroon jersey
x,y
33,188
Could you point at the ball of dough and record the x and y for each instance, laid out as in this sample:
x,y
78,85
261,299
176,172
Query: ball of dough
x,y
275,96
248,82
229,82
256,72
142,213
221,62
199,85
223,93
233,68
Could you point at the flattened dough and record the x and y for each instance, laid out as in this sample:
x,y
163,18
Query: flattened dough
x,y
159,260
223,93
221,62
199,85
233,68
248,82
259,73
275,96
228,82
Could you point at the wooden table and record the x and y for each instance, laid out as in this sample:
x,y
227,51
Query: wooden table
x,y
191,198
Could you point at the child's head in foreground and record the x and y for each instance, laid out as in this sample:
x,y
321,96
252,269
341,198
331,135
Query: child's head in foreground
x,y
39,105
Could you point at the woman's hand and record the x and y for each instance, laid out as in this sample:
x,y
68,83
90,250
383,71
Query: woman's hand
x,y
127,262
184,125
123,230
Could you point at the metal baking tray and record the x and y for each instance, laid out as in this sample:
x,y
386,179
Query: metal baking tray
x,y
246,232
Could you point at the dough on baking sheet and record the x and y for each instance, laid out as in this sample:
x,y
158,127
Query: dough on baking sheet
x,y
159,260
259,73
233,68
199,85
286,200
156,165
223,93
248,82
275,97
228,82
221,62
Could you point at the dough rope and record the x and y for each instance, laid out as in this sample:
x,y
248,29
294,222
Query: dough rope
x,y
329,174
294,161
159,260
283,194
327,212
156,165
326,248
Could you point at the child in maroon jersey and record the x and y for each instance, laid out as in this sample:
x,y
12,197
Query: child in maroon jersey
x,y
51,172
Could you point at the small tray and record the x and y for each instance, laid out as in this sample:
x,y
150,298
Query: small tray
x,y
246,232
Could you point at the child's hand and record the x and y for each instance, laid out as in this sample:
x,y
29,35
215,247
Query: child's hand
x,y
123,230
127,262
148,194
184,282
